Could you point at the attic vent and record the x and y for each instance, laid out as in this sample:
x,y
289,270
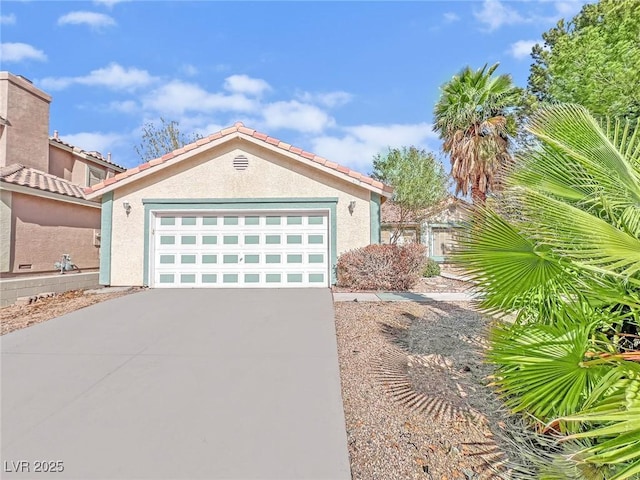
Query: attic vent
x,y
241,162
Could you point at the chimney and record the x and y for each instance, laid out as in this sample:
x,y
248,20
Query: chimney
x,y
26,108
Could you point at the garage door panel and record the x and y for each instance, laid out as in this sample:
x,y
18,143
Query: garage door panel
x,y
246,249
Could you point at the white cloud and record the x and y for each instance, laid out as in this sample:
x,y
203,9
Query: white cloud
x,y
522,48
95,141
93,19
328,99
17,52
125,106
450,17
108,3
8,19
112,76
294,115
494,14
246,85
177,97
569,8
360,143
189,70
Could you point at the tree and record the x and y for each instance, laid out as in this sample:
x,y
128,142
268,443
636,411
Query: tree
x,y
592,60
475,116
158,140
569,268
419,181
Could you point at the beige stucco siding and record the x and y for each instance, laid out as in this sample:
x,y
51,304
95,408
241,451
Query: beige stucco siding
x,y
43,229
211,175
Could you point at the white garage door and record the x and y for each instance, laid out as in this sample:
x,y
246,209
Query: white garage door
x,y
249,249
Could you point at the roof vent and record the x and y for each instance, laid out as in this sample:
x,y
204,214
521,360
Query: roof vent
x,y
241,162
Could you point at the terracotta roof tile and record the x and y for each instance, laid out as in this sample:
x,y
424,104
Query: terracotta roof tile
x,y
260,136
18,174
190,147
227,131
245,130
295,150
332,165
239,127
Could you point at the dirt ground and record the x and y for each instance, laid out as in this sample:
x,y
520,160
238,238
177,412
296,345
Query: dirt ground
x,y
15,317
414,391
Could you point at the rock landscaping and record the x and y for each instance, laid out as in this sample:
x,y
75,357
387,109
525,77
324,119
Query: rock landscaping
x,y
414,390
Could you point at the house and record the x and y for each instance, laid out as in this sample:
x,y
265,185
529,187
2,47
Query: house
x,y
435,227
235,209
44,211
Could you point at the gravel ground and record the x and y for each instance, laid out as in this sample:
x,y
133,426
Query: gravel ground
x,y
413,385
440,284
15,317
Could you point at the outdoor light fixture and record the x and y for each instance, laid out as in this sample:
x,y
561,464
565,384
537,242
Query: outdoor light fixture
x,y
127,207
352,206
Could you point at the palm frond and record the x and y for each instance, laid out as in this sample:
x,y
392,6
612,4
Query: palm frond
x,y
541,368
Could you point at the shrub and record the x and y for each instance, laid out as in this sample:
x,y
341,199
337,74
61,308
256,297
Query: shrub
x,y
381,267
431,268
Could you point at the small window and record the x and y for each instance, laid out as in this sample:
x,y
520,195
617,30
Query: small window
x,y
95,175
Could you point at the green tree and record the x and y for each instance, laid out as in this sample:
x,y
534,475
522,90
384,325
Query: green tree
x,y
592,60
475,117
419,181
160,139
568,266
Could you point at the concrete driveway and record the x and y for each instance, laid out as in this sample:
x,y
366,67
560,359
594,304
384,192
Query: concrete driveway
x,y
179,384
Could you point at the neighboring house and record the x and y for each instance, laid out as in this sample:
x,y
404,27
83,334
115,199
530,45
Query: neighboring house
x,y
436,227
235,209
43,209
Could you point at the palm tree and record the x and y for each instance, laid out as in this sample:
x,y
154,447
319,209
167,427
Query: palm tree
x,y
569,266
474,117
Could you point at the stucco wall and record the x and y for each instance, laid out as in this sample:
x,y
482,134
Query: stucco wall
x,y
5,231
26,141
43,229
64,164
211,175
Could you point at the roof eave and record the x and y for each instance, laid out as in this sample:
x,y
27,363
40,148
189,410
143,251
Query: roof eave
x,y
160,165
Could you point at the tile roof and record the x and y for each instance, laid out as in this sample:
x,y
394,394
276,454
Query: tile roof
x,y
78,150
238,129
18,174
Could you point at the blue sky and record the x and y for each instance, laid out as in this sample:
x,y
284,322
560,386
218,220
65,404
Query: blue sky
x,y
344,80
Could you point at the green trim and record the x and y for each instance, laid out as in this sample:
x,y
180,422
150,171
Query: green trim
x,y
205,204
374,217
106,221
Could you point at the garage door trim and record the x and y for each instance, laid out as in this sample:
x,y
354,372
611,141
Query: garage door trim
x,y
152,206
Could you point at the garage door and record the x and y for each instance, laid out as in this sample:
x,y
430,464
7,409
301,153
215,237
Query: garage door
x,y
249,249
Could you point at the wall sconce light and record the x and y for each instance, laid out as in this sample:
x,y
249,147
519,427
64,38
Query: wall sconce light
x,y
352,206
127,207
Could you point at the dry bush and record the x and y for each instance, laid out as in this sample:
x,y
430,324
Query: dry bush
x,y
381,267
